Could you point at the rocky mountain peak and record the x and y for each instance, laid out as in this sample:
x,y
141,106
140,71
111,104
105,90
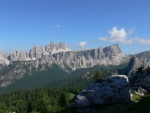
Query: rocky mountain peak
x,y
38,58
133,65
144,55
138,71
17,56
3,59
116,49
56,48
38,52
110,55
112,50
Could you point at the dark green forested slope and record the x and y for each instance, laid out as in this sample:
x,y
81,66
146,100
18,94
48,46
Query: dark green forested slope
x,y
43,100
49,91
54,76
55,100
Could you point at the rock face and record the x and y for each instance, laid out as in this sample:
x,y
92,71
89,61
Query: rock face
x,y
144,55
18,56
60,55
138,72
56,48
38,52
146,82
3,59
110,55
133,66
71,60
114,90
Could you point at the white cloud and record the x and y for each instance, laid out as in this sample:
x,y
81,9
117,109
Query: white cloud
x,y
141,41
120,35
57,26
117,35
82,44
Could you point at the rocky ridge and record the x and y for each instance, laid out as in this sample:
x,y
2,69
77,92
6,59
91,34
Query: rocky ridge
x,y
144,55
72,60
134,64
38,58
110,55
138,71
38,52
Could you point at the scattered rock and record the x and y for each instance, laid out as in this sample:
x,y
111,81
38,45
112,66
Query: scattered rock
x,y
141,91
82,101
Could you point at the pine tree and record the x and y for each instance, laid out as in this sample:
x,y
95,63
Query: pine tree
x,y
62,100
98,76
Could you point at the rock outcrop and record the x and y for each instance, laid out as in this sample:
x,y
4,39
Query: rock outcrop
x,y
145,83
134,66
138,71
141,91
144,55
114,90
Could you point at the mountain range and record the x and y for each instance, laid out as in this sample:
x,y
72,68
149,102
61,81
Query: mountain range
x,y
57,59
61,55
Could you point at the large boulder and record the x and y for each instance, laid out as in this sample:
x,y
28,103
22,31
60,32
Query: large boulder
x,y
114,90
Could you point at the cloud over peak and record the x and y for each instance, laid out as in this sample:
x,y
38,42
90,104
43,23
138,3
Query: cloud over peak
x,y
121,35
141,41
82,44
117,35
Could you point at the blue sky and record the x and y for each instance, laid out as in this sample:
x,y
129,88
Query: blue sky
x,y
81,24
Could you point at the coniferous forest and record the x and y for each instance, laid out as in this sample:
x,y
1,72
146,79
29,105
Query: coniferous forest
x,y
59,96
54,97
42,100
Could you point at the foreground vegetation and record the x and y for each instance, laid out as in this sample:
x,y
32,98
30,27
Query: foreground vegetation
x,y
55,97
43,100
56,100
139,104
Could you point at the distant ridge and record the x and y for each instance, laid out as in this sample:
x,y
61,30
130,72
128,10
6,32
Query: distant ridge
x,y
18,64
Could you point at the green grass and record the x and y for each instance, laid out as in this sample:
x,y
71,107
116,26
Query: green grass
x,y
143,106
